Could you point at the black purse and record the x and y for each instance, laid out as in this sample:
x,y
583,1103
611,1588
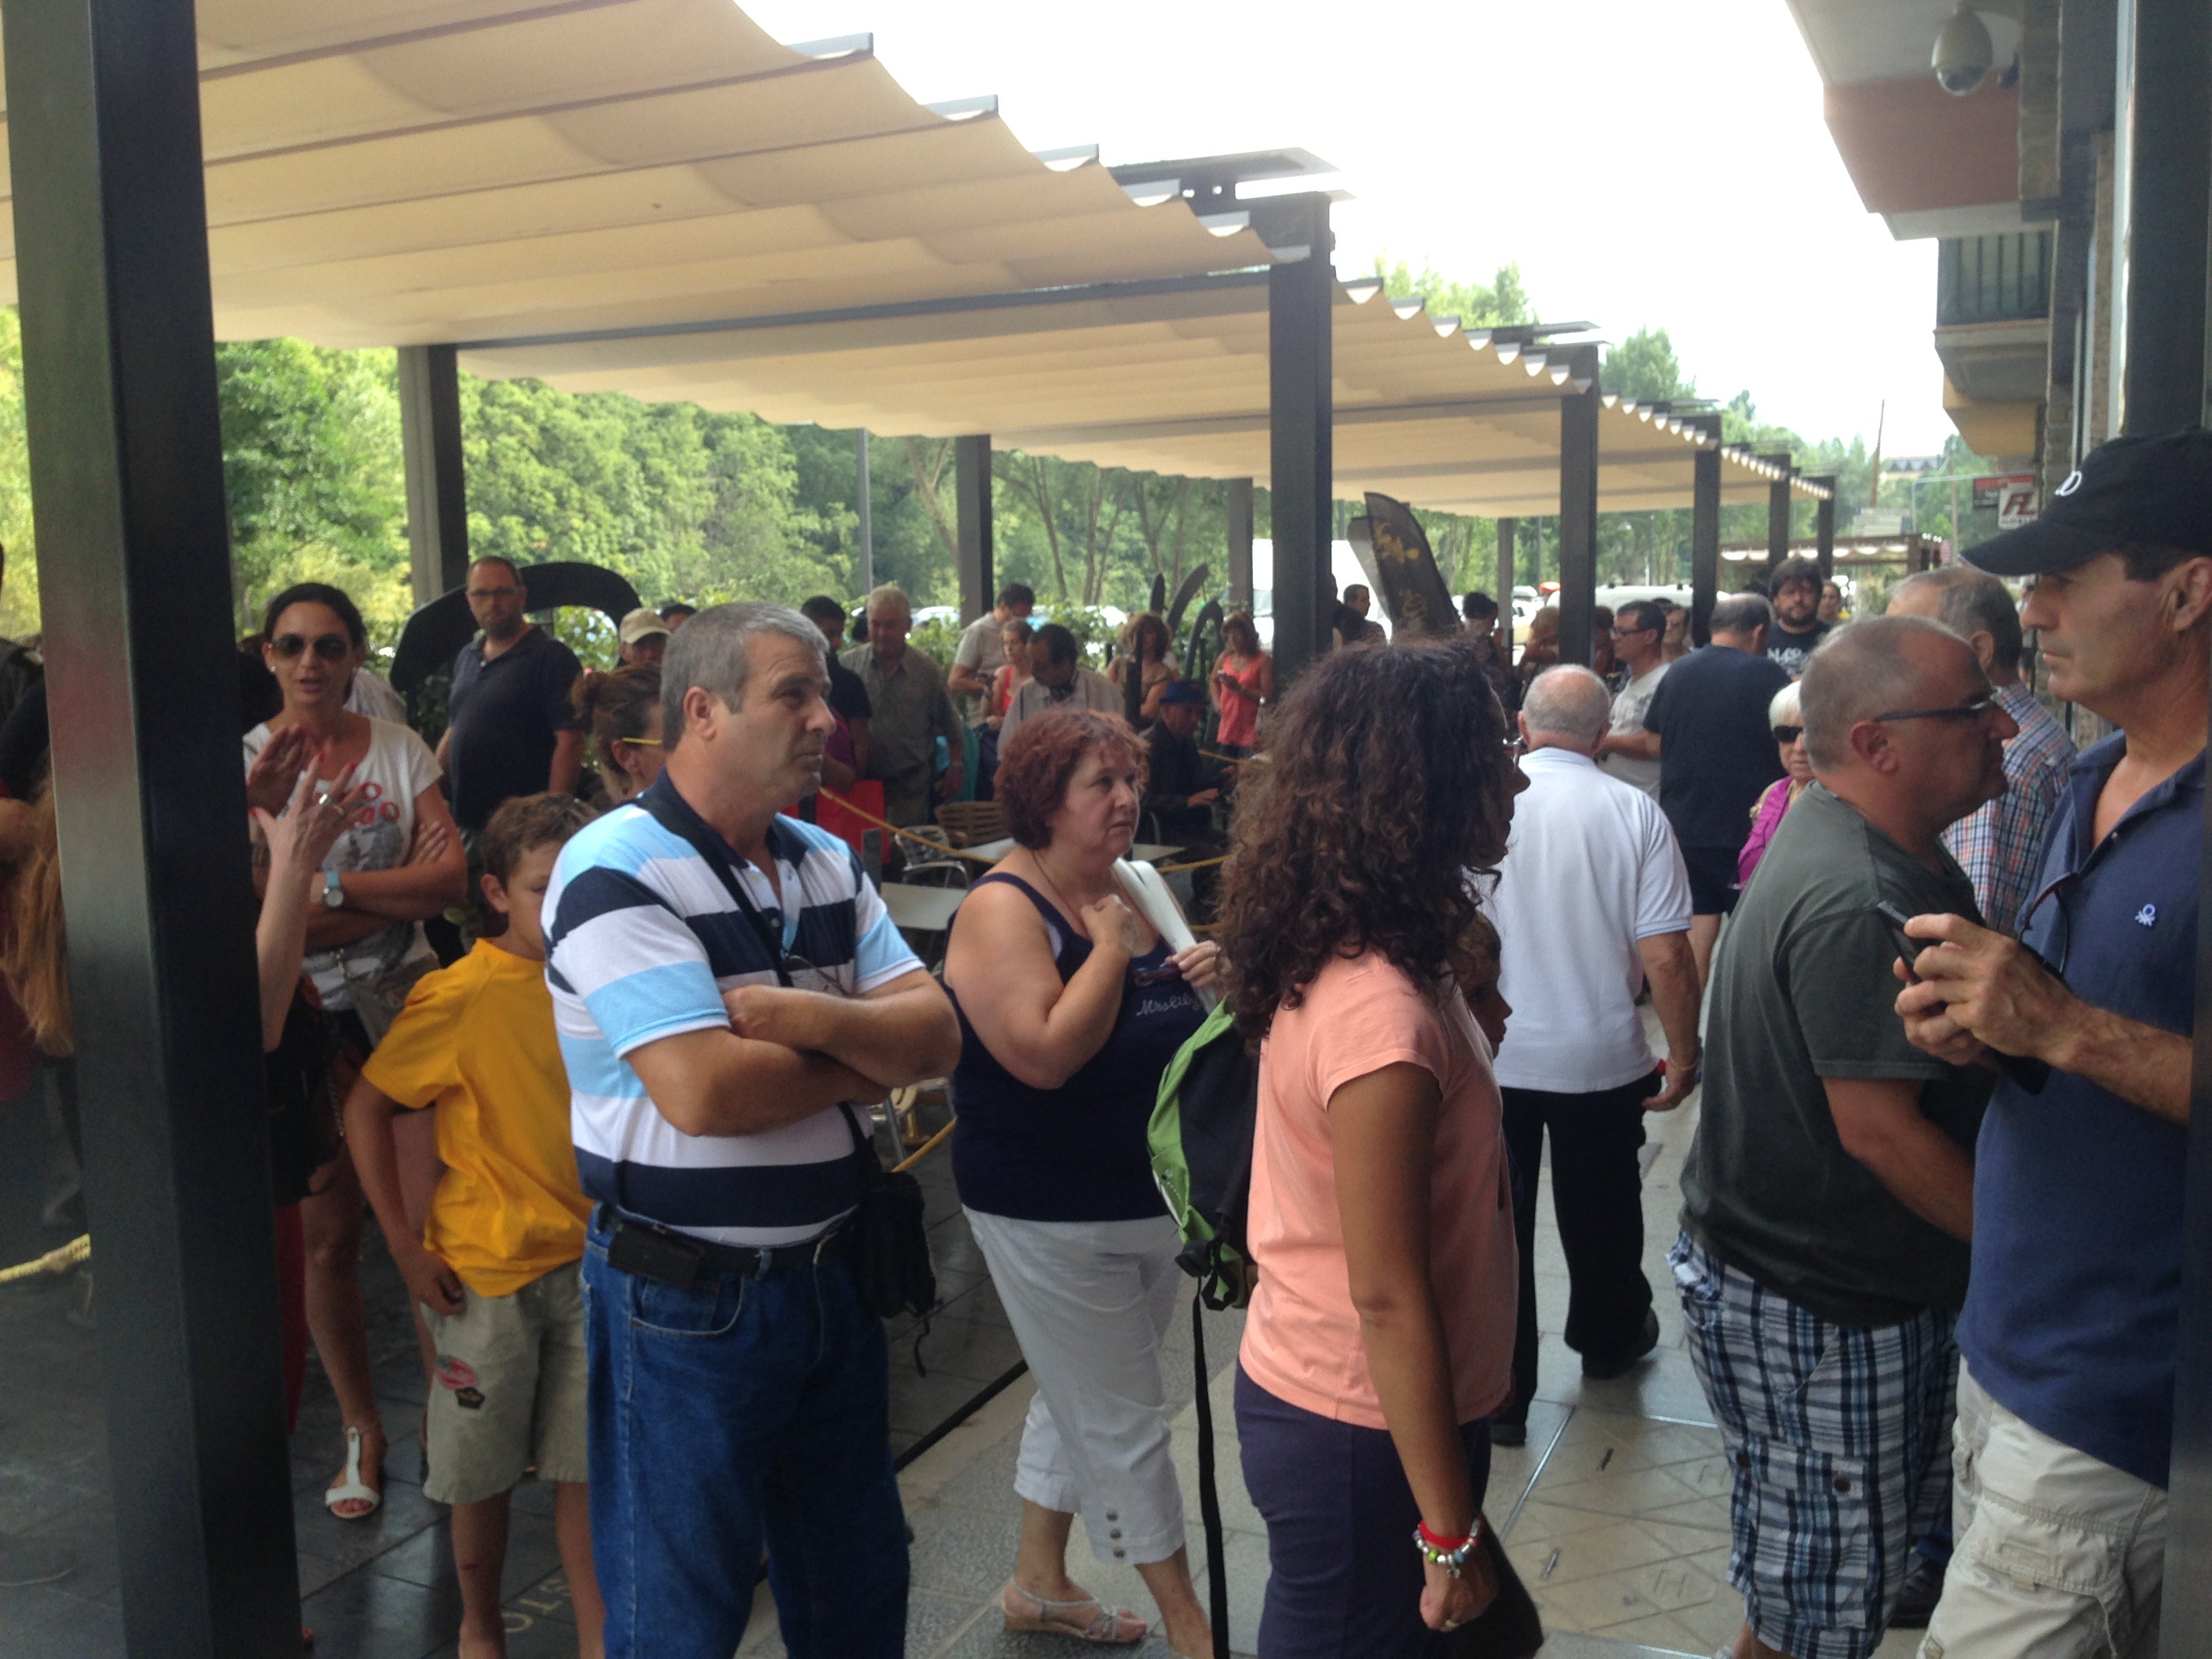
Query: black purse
x,y
887,1235
1509,1627
305,1130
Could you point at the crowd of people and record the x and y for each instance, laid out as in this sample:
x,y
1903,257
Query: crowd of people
x,y
1928,973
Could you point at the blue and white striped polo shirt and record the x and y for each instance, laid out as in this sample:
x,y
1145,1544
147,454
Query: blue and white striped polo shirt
x,y
641,940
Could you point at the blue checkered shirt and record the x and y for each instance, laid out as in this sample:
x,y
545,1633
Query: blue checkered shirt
x,y
2000,844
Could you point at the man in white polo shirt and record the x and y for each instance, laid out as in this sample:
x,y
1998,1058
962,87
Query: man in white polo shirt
x,y
1591,904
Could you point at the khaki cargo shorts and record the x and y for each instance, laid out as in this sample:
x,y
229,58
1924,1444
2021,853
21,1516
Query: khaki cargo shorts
x,y
509,1391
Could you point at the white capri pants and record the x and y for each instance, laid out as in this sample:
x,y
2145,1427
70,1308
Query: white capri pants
x,y
1089,1302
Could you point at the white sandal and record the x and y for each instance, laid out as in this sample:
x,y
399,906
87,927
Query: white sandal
x,y
353,1489
1108,1624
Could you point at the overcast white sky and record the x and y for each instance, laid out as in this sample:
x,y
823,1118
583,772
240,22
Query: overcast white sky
x,y
1660,164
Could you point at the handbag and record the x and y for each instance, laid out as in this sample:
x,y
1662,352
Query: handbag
x,y
379,997
887,1235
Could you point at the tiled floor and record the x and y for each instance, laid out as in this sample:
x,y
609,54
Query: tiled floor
x,y
1616,1513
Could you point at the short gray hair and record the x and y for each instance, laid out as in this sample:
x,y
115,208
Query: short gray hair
x,y
1741,613
1970,602
710,651
1568,701
1785,706
888,594
1859,671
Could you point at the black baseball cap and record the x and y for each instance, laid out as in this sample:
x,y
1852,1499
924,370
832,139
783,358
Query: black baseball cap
x,y
2152,490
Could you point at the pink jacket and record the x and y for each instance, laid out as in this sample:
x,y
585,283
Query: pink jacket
x,y
1766,819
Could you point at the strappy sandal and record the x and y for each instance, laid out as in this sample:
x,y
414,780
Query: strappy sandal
x,y
353,1489
1111,1626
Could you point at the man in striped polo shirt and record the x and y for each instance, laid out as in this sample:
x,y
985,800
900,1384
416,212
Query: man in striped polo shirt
x,y
740,1394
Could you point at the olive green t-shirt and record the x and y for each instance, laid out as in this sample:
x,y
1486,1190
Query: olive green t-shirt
x,y
1802,990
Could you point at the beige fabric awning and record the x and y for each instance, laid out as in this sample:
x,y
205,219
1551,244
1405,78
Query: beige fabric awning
x,y
390,172
653,197
1165,377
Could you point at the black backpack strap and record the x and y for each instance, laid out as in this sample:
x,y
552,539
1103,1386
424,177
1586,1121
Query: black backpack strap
x,y
664,813
1209,1494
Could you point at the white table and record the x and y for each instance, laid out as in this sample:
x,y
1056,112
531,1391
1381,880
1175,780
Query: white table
x,y
922,910
1144,852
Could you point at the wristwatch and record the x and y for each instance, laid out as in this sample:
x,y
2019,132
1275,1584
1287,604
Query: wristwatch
x,y
333,894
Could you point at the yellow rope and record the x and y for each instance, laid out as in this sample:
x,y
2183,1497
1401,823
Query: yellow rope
x,y
907,834
53,1261
925,1149
1196,864
1237,760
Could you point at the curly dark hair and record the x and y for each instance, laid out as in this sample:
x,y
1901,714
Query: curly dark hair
x,y
1039,759
1389,786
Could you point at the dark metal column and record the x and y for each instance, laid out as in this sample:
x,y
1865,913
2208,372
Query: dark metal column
x,y
1578,508
127,486
1507,576
1778,511
1824,528
1239,515
971,488
2164,137
1705,527
437,486
2165,106
1302,451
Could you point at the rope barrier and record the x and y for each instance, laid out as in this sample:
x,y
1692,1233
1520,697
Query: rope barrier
x,y
53,1261
1237,760
939,847
1196,864
924,1149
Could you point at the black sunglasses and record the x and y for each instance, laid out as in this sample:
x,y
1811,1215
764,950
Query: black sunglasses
x,y
1788,733
1966,711
331,648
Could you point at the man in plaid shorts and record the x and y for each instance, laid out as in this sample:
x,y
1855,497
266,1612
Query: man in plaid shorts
x,y
1829,1194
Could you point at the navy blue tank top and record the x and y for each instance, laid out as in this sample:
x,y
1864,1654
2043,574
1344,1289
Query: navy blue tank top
x,y
1078,1152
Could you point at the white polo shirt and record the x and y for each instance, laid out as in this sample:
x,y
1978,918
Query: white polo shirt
x,y
1590,868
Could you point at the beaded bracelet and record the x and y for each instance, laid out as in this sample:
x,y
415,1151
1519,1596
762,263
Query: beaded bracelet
x,y
1450,1554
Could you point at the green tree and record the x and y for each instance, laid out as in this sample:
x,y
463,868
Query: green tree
x,y
1504,301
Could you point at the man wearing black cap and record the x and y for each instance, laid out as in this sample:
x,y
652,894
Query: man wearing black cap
x,y
2065,1397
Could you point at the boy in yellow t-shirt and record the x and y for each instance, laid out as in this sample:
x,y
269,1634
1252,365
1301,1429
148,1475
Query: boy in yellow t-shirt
x,y
496,1270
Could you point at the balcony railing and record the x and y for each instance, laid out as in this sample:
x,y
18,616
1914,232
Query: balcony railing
x,y
1993,279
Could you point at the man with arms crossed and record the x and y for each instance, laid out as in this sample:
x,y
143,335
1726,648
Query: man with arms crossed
x,y
2066,1400
1592,902
740,1393
1828,1194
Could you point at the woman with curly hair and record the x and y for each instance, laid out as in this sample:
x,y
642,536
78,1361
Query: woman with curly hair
x,y
1381,1335
1148,654
1071,1007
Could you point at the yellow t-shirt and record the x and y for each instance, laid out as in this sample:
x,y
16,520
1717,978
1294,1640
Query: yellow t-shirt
x,y
476,1041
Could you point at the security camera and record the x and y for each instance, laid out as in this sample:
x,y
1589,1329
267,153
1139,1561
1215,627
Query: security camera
x,y
1963,51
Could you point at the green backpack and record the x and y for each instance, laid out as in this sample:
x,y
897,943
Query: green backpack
x,y
1201,1142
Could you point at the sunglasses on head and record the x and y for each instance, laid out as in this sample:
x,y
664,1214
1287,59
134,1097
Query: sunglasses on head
x,y
331,648
1788,733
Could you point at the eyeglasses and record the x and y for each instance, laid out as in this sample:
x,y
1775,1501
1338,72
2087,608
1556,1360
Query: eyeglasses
x,y
1788,733
493,593
1623,633
1966,711
331,648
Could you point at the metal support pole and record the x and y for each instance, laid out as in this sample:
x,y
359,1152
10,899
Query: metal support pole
x,y
1507,577
1578,510
971,487
1301,416
127,488
437,485
1704,528
2165,104
2163,122
865,501
1239,515
1778,511
1824,528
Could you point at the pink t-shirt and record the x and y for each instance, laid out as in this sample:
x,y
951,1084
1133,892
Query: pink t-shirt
x,y
1303,1341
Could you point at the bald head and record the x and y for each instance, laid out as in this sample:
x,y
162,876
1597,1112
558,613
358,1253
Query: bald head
x,y
1566,708
1874,667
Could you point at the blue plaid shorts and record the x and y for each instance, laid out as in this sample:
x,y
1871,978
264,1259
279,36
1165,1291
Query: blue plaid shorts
x,y
1840,1440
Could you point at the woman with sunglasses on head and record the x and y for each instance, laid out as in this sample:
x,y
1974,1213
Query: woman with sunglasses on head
x,y
398,863
1789,727
622,711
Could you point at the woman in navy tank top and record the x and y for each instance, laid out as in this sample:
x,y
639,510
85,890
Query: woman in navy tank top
x,y
1071,1007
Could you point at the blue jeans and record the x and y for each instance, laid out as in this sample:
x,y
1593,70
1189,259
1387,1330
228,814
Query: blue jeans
x,y
739,1415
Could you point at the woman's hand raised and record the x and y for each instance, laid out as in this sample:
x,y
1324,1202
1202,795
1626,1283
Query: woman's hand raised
x,y
1199,966
1112,926
269,780
312,821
